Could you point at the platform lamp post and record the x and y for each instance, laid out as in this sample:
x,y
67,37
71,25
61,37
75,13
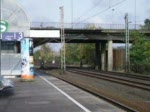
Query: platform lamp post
x,y
63,60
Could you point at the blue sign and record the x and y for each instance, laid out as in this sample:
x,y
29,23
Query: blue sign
x,y
12,36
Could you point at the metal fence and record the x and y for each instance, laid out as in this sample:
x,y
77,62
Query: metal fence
x,y
55,25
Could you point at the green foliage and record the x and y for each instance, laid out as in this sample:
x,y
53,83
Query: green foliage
x,y
91,26
146,24
37,55
72,53
87,53
77,52
140,51
45,54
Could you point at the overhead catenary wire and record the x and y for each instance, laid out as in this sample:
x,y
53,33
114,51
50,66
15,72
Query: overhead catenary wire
x,y
90,9
141,20
102,11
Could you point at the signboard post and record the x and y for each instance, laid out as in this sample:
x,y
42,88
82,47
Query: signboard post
x,y
12,36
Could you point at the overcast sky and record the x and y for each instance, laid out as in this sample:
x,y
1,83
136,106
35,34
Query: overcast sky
x,y
93,11
97,11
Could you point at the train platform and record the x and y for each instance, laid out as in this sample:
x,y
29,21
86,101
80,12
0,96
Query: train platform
x,y
49,94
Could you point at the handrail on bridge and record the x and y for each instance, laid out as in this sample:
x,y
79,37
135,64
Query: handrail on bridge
x,y
55,25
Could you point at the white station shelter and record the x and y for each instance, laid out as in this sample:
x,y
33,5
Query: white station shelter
x,y
16,43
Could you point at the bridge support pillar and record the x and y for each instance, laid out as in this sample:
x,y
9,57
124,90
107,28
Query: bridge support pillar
x,y
110,55
97,60
103,56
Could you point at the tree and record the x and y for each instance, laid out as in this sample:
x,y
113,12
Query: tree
x,y
80,53
91,26
140,52
44,54
72,54
146,24
87,52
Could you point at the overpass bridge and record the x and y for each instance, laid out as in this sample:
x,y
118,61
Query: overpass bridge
x,y
103,35
86,32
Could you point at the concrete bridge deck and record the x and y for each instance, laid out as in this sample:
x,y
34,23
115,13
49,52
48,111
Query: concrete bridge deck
x,y
87,33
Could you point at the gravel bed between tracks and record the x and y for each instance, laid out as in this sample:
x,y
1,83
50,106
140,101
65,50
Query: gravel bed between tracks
x,y
117,75
133,97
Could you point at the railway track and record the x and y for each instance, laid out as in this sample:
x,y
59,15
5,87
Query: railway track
x,y
129,75
122,102
141,83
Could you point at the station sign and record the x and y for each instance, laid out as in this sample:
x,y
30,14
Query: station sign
x,y
3,26
12,36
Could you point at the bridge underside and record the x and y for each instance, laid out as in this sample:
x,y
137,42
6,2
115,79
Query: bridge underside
x,y
83,36
88,36
83,39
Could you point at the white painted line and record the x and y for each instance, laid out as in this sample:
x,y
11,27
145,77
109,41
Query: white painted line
x,y
65,94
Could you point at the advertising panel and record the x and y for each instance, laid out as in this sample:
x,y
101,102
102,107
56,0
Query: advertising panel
x,y
26,60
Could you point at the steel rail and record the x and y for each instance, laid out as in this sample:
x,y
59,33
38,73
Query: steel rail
x,y
143,80
112,79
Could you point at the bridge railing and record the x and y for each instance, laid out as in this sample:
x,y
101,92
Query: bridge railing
x,y
56,25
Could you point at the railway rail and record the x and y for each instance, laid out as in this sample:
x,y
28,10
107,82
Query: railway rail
x,y
129,75
138,82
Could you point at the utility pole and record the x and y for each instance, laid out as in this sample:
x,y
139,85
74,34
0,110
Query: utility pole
x,y
0,36
72,12
63,60
135,13
127,53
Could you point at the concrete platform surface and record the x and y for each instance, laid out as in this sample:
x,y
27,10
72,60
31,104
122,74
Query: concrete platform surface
x,y
49,94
